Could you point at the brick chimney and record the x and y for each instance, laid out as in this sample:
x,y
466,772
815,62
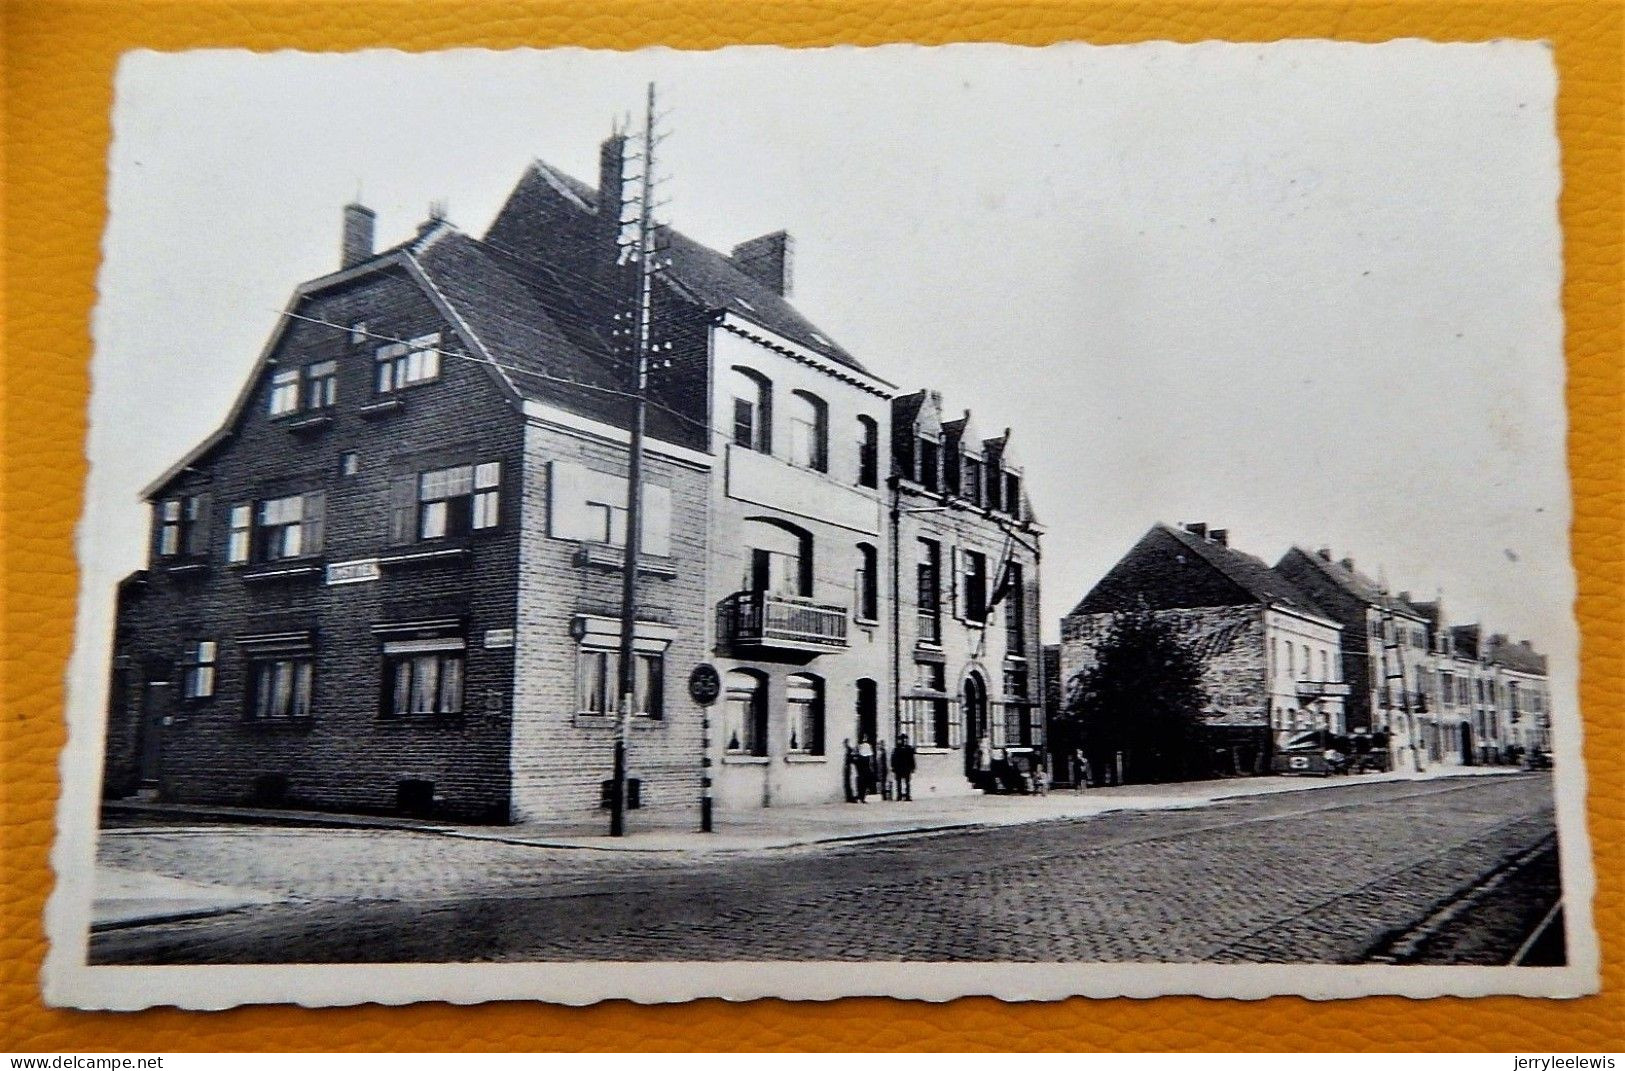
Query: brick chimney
x,y
1220,536
611,180
1324,554
767,260
356,242
1347,563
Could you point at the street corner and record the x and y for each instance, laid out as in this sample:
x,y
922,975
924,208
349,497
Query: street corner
x,y
125,898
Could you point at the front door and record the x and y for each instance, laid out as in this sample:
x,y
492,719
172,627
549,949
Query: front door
x,y
157,700
1467,743
868,712
976,762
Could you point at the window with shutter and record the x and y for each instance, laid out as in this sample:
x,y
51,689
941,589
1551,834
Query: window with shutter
x,y
280,530
403,509
169,527
197,526
239,545
314,522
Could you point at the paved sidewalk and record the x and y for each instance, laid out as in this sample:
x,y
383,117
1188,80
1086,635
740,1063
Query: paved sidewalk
x,y
790,827
136,898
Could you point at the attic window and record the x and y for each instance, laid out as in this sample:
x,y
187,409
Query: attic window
x,y
745,304
404,363
820,338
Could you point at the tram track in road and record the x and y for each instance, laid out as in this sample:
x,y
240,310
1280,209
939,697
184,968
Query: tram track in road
x,y
1159,885
1203,823
1544,947
1412,944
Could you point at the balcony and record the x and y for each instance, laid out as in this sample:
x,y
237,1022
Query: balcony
x,y
781,622
1322,690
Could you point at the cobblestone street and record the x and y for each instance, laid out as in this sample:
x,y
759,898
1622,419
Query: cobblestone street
x,y
1321,876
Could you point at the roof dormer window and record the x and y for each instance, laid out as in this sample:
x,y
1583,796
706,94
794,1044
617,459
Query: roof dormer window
x,y
929,473
971,480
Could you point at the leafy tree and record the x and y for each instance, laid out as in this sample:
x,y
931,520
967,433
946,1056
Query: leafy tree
x,y
1143,697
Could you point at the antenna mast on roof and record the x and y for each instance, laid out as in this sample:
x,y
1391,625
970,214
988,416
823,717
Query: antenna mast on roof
x,y
641,257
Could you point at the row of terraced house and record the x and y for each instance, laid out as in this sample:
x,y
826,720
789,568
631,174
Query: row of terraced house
x,y
390,581
1311,656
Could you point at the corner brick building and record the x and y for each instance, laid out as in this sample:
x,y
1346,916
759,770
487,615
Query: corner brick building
x,y
1269,655
390,581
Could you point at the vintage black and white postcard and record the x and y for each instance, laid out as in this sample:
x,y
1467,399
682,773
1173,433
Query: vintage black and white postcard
x,y
922,521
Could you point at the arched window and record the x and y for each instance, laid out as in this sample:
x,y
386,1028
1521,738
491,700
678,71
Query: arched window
x,y
804,714
778,558
866,588
746,697
868,452
809,431
753,409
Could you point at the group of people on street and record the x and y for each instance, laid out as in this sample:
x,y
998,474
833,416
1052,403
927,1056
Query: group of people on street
x,y
870,770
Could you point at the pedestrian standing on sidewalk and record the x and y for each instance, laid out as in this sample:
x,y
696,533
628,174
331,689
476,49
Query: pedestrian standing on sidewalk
x,y
883,770
849,768
1081,773
902,767
863,770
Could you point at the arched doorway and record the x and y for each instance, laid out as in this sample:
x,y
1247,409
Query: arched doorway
x,y
975,713
868,712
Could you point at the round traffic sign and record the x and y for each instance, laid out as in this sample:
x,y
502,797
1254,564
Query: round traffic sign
x,y
705,684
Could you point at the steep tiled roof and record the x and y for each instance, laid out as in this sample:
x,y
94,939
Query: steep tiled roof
x,y
521,325
712,279
1515,656
1360,586
1251,574
1171,568
707,276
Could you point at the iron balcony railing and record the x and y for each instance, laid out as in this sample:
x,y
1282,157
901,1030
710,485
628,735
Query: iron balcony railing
x,y
1322,689
762,619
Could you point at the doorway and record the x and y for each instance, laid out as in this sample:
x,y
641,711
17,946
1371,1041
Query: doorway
x,y
975,704
1467,757
868,712
157,700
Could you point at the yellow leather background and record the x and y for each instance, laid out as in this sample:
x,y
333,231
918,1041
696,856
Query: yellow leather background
x,y
59,61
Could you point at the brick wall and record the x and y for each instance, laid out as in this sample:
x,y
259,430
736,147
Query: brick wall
x,y
346,756
560,756
1228,640
965,648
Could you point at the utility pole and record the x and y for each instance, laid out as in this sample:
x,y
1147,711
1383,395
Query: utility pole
x,y
643,273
